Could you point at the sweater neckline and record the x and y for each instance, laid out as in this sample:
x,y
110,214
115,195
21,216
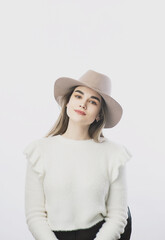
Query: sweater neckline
x,y
64,139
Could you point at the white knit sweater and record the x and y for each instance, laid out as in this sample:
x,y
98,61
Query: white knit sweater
x,y
74,184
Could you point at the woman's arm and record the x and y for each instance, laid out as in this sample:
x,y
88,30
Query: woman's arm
x,y
35,212
117,209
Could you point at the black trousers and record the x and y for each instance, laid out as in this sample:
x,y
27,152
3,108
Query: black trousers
x,y
90,233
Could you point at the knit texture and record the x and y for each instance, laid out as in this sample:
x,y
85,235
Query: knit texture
x,y
74,184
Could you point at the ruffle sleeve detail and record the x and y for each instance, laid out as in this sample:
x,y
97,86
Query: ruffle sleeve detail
x,y
122,157
34,156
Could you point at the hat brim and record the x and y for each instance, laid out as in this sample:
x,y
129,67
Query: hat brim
x,y
114,109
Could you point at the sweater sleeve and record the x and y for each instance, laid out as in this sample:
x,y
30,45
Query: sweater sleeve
x,y
117,208
36,216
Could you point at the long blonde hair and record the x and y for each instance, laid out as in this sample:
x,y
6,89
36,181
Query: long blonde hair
x,y
61,124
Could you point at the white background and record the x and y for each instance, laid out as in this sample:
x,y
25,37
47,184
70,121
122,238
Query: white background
x,y
42,40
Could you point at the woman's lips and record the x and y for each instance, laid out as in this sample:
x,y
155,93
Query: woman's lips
x,y
80,112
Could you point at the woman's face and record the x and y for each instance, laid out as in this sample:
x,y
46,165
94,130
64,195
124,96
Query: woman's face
x,y
87,100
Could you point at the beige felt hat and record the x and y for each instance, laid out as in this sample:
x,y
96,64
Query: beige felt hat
x,y
99,83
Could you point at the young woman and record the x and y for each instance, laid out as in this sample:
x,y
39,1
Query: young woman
x,y
76,178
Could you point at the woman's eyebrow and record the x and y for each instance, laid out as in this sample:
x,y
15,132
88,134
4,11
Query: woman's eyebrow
x,y
91,96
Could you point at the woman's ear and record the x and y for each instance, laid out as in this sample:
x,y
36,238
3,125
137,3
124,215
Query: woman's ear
x,y
97,118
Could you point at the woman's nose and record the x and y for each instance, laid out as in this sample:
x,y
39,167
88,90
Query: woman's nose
x,y
83,105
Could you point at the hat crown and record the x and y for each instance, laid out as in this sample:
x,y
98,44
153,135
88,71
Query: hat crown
x,y
98,81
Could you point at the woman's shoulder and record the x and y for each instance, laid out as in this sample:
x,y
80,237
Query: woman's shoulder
x,y
111,143
36,145
35,142
116,147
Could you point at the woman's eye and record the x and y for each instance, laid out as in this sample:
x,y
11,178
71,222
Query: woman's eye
x,y
90,101
94,103
77,96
